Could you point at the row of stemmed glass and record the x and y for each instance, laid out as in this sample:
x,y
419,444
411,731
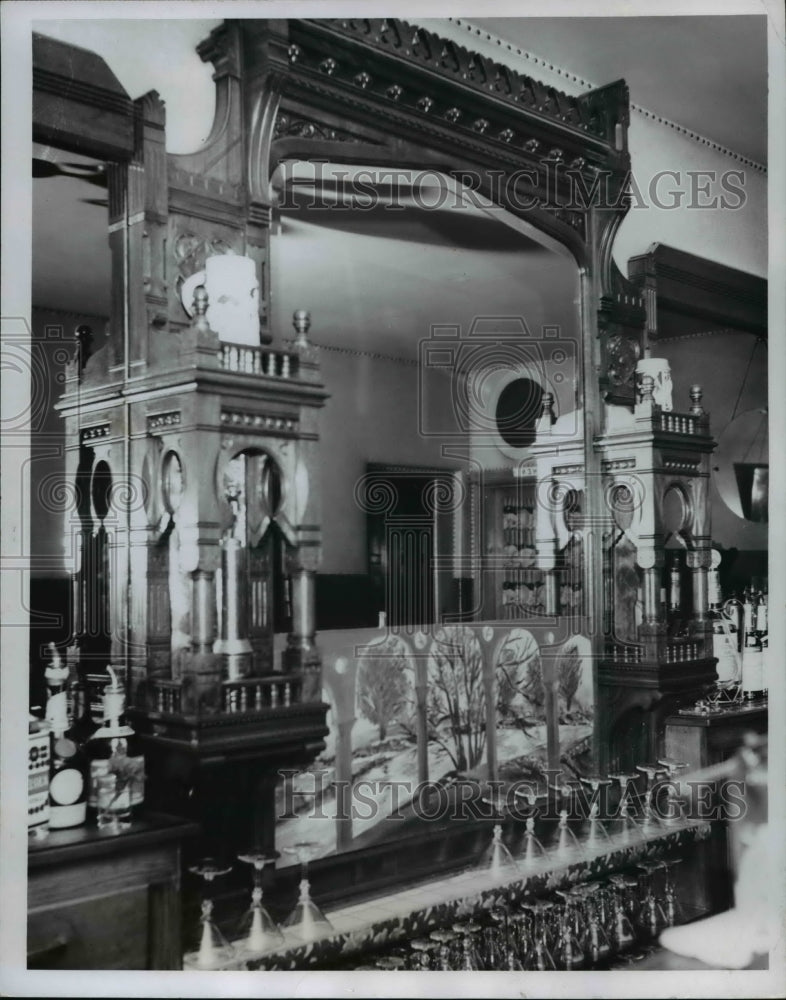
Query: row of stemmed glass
x,y
257,934
499,860
583,926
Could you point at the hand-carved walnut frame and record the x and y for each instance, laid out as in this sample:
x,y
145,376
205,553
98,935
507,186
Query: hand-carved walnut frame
x,y
381,92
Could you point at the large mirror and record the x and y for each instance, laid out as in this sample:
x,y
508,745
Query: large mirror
x,y
446,328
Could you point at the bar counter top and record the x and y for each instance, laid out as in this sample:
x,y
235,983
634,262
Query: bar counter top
x,y
381,921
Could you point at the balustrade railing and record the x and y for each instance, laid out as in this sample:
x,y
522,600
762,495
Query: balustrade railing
x,y
256,694
682,651
680,423
167,696
252,694
258,361
619,652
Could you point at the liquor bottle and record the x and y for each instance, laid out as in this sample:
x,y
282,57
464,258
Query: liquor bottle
x,y
747,613
37,776
760,615
67,760
114,749
724,630
762,630
84,725
752,663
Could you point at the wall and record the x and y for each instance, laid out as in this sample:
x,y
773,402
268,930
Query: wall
x,y
721,381
735,236
371,416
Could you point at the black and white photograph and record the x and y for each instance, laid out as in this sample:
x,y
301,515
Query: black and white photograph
x,y
392,573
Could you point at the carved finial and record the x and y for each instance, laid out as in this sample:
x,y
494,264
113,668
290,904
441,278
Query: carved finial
x,y
301,320
647,388
200,300
695,399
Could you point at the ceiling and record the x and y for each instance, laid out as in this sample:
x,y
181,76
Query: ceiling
x,y
393,267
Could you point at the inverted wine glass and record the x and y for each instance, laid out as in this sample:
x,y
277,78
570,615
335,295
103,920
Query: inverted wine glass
x,y
258,933
213,951
306,921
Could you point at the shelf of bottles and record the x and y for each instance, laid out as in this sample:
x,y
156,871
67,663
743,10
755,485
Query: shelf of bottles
x,y
86,762
516,580
740,645
521,580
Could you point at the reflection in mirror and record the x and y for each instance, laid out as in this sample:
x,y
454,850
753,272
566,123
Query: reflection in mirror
x,y
449,338
741,468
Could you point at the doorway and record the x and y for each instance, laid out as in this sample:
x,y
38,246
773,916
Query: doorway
x,y
410,547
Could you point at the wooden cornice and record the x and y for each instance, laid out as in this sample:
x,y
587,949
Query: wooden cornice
x,y
701,289
78,103
448,66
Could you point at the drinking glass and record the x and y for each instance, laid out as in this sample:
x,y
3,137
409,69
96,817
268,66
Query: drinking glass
x,y
497,859
541,958
623,936
307,921
598,942
424,949
651,918
213,951
258,932
672,812
650,819
671,905
627,821
570,952
445,937
468,932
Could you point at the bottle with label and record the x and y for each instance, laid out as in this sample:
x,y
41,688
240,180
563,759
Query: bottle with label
x,y
752,664
761,625
114,749
84,725
37,777
67,761
724,630
747,614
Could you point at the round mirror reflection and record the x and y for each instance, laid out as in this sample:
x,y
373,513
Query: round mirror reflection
x,y
741,466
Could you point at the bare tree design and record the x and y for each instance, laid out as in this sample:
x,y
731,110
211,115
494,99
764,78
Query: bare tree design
x,y
383,684
520,693
456,705
568,674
